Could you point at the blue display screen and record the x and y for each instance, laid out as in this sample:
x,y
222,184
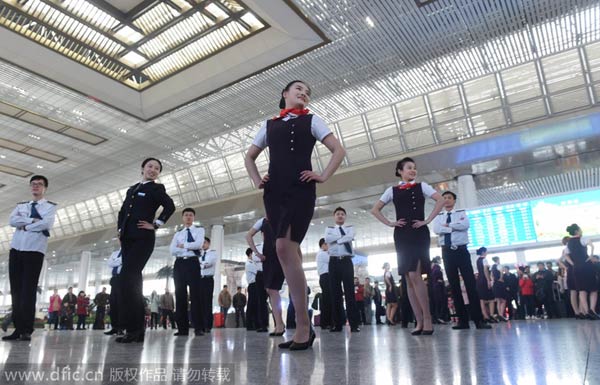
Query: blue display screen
x,y
534,221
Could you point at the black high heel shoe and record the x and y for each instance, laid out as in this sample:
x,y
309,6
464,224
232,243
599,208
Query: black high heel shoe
x,y
427,332
304,345
416,332
275,334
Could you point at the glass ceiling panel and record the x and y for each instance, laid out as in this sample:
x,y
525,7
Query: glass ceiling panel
x,y
563,71
521,83
482,94
593,56
569,100
159,41
528,110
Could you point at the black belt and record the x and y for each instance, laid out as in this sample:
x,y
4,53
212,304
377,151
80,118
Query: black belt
x,y
207,276
340,256
193,256
454,247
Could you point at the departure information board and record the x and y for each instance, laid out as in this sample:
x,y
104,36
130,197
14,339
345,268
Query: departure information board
x,y
533,221
504,225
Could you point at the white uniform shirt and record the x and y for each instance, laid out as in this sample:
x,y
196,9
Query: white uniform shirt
x,y
188,248
257,262
28,235
388,195
322,262
318,128
115,260
250,272
458,227
208,261
336,241
258,225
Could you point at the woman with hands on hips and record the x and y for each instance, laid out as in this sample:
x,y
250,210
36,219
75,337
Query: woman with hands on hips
x,y
411,236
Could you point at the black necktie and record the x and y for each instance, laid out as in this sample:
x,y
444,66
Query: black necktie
x,y
347,244
203,255
191,239
35,214
448,236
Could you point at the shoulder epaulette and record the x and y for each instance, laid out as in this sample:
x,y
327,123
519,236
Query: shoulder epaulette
x,y
331,227
458,211
348,225
441,214
52,203
23,203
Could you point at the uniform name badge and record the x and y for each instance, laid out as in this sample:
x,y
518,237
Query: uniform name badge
x,y
141,194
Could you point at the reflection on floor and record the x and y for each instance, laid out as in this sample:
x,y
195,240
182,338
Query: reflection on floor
x,y
522,352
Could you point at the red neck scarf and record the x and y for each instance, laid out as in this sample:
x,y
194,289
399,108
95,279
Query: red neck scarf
x,y
407,186
296,111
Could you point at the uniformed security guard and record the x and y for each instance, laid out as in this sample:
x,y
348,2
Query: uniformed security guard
x,y
185,247
136,230
452,227
341,271
33,220
208,262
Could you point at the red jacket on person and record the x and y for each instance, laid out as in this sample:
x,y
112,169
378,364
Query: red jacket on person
x,y
359,293
82,305
526,286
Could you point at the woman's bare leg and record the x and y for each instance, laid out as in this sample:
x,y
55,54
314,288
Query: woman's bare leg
x,y
276,306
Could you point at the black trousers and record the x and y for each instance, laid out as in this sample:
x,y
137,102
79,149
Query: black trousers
x,y
135,254
341,272
99,320
168,314
239,312
113,301
24,269
455,262
251,307
262,309
207,287
186,273
326,320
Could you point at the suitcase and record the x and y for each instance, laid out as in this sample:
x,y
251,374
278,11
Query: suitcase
x,y
218,320
317,320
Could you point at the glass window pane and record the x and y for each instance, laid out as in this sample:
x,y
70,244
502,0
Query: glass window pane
x,y
418,139
200,175
414,124
243,184
411,108
82,210
562,71
528,110
115,201
218,171
184,180
168,181
450,131
224,189
569,100
593,56
380,118
359,154
485,122
388,146
352,126
190,197
206,193
521,83
236,165
482,94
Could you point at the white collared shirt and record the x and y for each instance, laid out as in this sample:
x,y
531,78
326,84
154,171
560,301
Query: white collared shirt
x,y
322,262
115,260
188,248
250,271
388,195
258,225
208,261
28,236
257,262
318,128
336,241
458,227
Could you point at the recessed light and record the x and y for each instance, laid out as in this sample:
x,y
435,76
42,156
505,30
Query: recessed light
x,y
3,156
123,130
39,166
369,22
34,137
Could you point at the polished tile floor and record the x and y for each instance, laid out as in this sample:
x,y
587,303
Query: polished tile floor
x,y
521,352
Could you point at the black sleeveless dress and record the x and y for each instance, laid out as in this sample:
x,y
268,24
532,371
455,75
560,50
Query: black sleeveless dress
x,y
499,288
412,245
390,290
483,291
272,272
290,203
584,272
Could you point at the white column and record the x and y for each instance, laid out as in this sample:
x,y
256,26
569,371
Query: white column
x,y
84,270
217,240
467,193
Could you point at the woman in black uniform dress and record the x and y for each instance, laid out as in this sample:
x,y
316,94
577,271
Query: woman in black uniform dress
x,y
290,189
499,289
484,286
411,236
568,266
391,297
584,271
137,227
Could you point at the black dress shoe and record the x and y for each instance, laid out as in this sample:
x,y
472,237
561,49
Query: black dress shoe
x,y
198,332
482,325
460,326
355,329
179,334
335,329
262,330
25,337
12,337
111,332
131,337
